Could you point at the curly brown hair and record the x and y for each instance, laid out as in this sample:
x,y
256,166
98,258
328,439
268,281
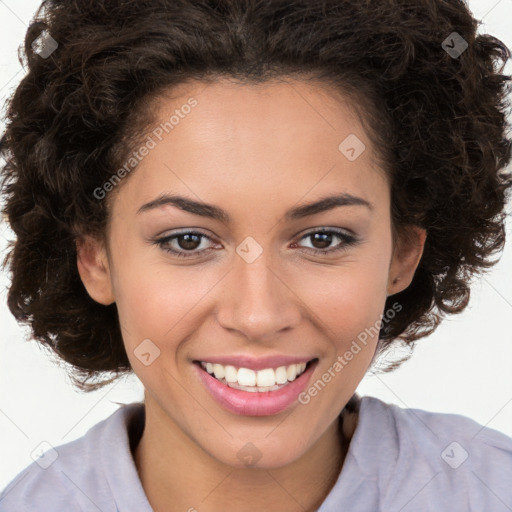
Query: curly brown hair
x,y
437,120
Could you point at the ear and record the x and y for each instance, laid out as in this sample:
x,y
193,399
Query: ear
x,y
406,257
93,267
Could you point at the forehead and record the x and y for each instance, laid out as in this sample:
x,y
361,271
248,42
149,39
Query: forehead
x,y
255,114
262,140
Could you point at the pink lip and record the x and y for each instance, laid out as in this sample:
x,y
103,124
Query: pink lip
x,y
249,403
256,363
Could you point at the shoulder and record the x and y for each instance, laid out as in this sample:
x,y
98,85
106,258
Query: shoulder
x,y
76,476
449,460
426,431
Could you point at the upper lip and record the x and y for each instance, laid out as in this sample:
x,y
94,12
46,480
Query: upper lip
x,y
256,363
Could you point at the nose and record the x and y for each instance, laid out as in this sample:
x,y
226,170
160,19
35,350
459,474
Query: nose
x,y
257,301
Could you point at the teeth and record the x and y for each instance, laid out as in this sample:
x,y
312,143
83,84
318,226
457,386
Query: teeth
x,y
281,375
218,371
250,380
246,377
265,377
231,374
291,372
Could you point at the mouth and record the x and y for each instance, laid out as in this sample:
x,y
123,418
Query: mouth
x,y
255,381
261,392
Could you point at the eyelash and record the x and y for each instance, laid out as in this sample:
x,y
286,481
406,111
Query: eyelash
x,y
348,240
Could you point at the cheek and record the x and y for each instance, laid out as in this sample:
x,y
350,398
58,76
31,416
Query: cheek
x,y
347,298
159,301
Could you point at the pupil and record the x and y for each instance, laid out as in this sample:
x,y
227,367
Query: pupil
x,y
187,241
325,238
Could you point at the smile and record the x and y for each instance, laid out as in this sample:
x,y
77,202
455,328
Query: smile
x,y
268,379
252,392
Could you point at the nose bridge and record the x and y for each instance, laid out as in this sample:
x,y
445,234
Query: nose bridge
x,y
257,302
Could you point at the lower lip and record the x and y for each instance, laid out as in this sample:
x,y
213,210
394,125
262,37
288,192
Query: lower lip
x,y
249,403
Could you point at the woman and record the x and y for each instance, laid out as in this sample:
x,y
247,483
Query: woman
x,y
247,203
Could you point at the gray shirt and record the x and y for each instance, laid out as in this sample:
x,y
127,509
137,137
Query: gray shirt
x,y
399,460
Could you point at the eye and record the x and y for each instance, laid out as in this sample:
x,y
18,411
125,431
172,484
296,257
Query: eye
x,y
324,237
187,244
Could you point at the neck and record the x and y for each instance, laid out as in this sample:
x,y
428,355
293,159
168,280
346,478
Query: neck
x,y
177,475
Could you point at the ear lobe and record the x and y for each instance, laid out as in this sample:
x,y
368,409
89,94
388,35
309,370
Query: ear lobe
x,y
406,259
94,270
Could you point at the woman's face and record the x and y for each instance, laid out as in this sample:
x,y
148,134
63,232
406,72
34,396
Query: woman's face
x,y
246,289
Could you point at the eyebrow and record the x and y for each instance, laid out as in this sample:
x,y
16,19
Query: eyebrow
x,y
214,212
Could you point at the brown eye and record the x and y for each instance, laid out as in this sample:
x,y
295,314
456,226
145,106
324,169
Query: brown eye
x,y
182,243
188,242
322,239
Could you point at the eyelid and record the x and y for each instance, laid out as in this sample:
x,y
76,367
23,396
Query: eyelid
x,y
310,231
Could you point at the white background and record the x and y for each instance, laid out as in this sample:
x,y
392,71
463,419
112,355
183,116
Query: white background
x,y
463,368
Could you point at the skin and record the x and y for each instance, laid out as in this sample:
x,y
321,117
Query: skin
x,y
256,151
